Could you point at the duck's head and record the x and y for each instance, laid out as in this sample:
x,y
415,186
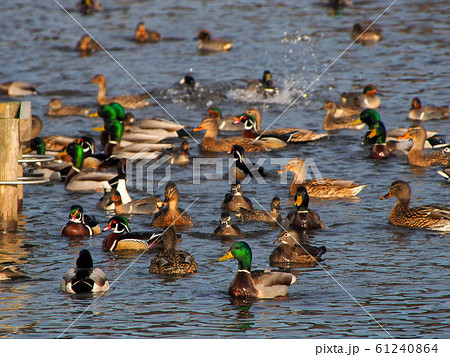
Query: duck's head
x,y
214,112
188,81
399,189
249,121
55,103
98,79
415,132
140,29
75,151
171,192
88,145
416,103
76,214
238,152
37,144
207,124
84,43
370,90
301,199
236,188
184,147
275,204
357,28
84,260
329,106
267,80
294,165
289,237
203,35
369,117
378,132
225,219
118,224
242,252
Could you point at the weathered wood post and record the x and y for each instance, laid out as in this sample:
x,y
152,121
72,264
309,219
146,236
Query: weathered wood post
x,y
9,155
24,137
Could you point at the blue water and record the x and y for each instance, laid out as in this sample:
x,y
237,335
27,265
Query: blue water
x,y
399,275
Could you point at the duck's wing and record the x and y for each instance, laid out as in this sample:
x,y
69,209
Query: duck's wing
x,y
272,284
100,279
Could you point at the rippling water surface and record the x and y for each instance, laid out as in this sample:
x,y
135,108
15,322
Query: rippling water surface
x,y
398,276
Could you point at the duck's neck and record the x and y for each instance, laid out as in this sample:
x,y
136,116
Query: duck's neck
x,y
299,178
245,263
418,144
101,95
173,204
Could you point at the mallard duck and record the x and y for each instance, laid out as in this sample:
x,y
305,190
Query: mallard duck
x,y
36,126
292,252
445,173
77,180
87,7
272,216
366,99
57,109
87,45
121,237
127,101
240,170
149,205
332,121
429,217
84,278
252,121
258,283
302,218
208,44
322,187
235,200
171,260
224,123
17,89
366,33
80,224
170,214
416,156
142,35
418,112
226,229
264,86
211,143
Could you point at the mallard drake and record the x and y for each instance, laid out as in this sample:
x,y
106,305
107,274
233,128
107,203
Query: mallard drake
x,y
332,121
291,252
429,217
142,35
211,143
171,260
418,112
127,101
224,123
87,7
366,99
208,44
87,45
302,218
235,200
226,229
445,173
80,224
252,121
322,187
170,214
264,86
84,278
57,109
77,180
121,237
366,33
149,205
17,89
240,170
416,156
258,283
272,216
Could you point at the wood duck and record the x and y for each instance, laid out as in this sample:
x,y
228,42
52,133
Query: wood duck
x,y
240,170
80,224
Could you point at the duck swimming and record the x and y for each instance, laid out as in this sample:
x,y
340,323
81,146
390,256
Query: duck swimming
x,y
332,121
224,123
264,87
226,229
17,89
57,109
271,216
419,112
366,33
87,45
366,99
235,200
79,224
257,283
208,44
240,170
143,35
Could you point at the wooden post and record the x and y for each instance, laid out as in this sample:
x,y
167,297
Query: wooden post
x,y
24,137
9,151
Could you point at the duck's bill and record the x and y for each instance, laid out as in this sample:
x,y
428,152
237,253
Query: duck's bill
x,y
92,115
386,196
357,121
62,153
200,127
99,128
226,257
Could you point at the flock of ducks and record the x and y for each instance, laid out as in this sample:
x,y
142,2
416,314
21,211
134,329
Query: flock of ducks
x,y
82,169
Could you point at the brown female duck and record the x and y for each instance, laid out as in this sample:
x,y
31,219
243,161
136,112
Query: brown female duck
x,y
171,260
366,33
57,109
332,121
429,216
291,252
272,216
142,35
170,214
226,229
235,200
87,45
320,188
127,101
416,156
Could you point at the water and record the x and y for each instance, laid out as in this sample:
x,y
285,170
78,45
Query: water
x,y
398,275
